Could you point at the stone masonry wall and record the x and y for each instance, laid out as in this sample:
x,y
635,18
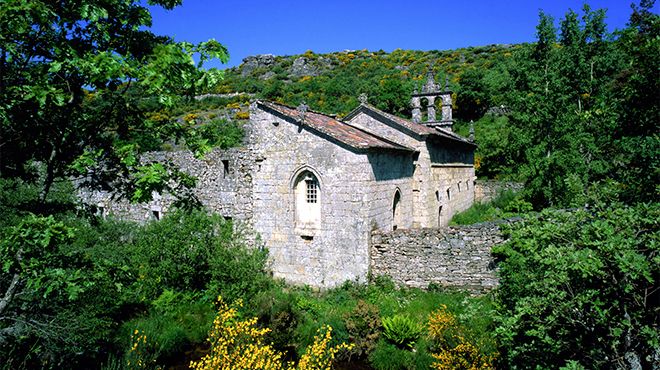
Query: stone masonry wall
x,y
224,185
486,190
457,257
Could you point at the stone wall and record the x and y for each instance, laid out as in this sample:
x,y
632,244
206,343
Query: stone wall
x,y
486,190
457,257
224,183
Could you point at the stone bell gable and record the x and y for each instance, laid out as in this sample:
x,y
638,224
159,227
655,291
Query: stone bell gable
x,y
444,163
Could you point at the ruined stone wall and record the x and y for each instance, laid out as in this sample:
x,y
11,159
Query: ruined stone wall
x,y
457,257
486,190
224,183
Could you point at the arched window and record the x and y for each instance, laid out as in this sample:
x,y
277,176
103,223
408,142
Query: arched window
x,y
308,201
396,210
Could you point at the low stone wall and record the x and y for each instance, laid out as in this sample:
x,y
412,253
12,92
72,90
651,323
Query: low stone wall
x,y
458,257
486,190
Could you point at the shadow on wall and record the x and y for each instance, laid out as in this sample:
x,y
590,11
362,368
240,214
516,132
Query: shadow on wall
x,y
392,165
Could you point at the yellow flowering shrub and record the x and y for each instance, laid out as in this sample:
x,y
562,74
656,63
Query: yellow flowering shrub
x,y
140,355
454,351
190,117
239,345
320,355
242,115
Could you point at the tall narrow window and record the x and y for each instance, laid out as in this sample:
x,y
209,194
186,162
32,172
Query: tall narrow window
x,y
225,168
396,210
307,203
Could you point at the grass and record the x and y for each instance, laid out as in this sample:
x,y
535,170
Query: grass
x,y
506,204
296,313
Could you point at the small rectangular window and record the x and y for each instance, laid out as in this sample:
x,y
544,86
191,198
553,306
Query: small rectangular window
x,y
225,168
155,215
312,190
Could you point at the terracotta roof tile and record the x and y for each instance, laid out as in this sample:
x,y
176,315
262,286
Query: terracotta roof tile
x,y
338,130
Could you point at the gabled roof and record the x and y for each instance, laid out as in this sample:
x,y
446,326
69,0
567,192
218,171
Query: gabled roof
x,y
407,125
329,126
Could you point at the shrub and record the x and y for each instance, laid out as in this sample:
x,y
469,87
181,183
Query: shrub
x,y
401,330
582,286
239,344
451,346
222,133
175,321
387,356
363,326
505,204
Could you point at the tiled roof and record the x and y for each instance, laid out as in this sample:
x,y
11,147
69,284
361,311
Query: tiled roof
x,y
338,130
411,126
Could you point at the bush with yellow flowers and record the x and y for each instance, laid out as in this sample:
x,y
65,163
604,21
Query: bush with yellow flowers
x,y
141,354
238,344
452,349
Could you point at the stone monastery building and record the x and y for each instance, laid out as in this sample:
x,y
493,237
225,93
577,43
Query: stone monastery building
x,y
314,187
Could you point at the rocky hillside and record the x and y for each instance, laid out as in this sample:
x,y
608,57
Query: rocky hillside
x,y
331,82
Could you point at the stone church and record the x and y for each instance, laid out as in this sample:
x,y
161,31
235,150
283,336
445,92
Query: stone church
x,y
314,187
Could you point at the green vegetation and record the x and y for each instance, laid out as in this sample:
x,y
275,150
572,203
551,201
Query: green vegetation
x,y
578,289
580,106
507,204
78,82
87,289
581,286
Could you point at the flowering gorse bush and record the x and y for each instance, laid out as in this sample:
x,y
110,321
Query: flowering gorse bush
x,y
140,355
453,350
238,344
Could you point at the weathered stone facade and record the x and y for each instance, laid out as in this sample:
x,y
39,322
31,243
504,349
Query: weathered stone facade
x,y
314,188
457,257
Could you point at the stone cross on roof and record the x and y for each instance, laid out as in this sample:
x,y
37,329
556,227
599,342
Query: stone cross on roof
x,y
363,98
430,86
302,109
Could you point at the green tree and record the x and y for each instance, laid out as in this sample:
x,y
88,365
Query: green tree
x,y
57,303
76,80
581,286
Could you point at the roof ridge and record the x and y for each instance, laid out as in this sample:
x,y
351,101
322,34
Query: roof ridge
x,y
334,116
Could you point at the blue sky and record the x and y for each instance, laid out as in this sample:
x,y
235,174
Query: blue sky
x,y
282,27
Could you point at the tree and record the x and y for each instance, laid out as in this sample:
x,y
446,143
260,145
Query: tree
x,y
76,82
581,287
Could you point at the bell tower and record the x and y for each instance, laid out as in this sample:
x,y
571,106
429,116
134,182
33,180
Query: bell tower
x,y
432,91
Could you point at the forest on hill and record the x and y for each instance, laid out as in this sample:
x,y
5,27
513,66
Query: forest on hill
x,y
86,87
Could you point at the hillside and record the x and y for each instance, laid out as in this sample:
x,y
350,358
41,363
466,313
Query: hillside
x,y
332,82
